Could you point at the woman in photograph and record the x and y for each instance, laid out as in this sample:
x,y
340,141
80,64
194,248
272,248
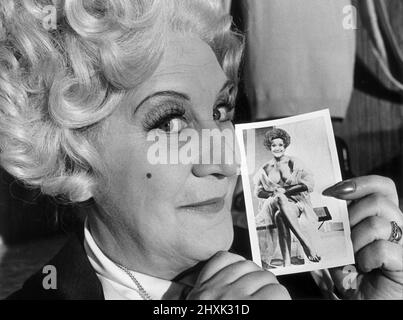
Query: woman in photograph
x,y
77,104
284,184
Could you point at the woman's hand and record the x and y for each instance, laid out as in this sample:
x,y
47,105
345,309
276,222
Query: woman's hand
x,y
228,276
379,260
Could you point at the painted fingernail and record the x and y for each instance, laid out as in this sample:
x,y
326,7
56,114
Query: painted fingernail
x,y
340,189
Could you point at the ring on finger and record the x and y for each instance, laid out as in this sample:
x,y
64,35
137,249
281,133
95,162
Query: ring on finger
x,y
396,234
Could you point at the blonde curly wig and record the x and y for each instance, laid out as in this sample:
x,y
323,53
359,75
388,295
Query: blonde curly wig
x,y
58,86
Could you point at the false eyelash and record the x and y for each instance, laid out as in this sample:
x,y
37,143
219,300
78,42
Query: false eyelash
x,y
163,113
228,100
228,103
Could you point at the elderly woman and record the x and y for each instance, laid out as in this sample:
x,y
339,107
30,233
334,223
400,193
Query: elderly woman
x,y
284,184
77,105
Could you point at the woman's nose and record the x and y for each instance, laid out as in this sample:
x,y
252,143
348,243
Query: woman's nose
x,y
217,170
218,154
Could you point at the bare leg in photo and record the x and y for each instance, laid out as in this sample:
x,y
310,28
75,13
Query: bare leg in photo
x,y
268,238
284,238
309,227
290,212
267,245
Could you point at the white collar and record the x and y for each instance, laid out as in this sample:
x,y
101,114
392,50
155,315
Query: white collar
x,y
117,284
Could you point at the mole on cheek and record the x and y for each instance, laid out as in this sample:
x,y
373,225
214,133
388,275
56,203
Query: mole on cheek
x,y
149,175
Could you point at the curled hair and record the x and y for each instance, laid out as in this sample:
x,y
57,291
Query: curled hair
x,y
276,133
58,86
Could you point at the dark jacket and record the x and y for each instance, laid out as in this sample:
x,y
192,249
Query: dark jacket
x,y
76,279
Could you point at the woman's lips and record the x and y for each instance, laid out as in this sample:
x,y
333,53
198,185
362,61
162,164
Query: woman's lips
x,y
213,205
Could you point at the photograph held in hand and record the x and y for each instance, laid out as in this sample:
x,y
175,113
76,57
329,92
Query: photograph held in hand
x,y
292,226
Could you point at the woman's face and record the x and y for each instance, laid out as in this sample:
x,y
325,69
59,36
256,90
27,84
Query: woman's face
x,y
277,147
170,216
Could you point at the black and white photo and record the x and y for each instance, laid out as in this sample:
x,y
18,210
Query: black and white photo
x,y
293,227
178,150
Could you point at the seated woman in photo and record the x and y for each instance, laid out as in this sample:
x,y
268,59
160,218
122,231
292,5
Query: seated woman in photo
x,y
77,106
284,184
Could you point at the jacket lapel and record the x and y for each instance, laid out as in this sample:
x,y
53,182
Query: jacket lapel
x,y
76,279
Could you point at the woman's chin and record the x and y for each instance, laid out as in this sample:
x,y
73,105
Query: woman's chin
x,y
214,243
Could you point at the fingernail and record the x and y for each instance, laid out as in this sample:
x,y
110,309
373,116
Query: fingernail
x,y
340,189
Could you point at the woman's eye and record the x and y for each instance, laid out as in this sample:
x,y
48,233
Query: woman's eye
x,y
222,113
173,125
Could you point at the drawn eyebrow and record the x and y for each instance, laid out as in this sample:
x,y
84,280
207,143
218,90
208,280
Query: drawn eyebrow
x,y
178,95
166,93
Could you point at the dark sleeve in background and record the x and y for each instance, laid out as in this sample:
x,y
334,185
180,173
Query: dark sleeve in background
x,y
24,213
